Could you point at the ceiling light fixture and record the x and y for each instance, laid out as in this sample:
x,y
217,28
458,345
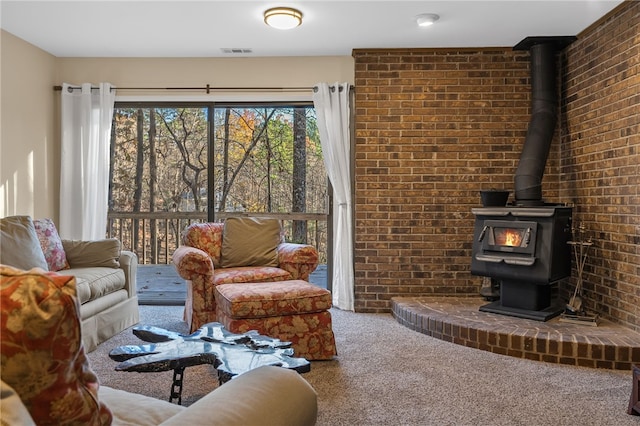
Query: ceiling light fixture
x,y
426,19
283,18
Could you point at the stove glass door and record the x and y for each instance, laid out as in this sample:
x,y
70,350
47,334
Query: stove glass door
x,y
509,236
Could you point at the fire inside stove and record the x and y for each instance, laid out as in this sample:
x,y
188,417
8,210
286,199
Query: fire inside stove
x,y
506,236
510,237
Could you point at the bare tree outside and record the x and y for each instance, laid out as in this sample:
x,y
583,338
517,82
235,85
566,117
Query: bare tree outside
x,y
257,159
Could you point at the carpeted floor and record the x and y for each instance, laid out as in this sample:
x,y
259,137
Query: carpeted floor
x,y
386,374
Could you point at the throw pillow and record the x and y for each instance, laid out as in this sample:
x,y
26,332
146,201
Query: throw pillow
x,y
206,236
88,254
19,244
250,242
51,244
41,345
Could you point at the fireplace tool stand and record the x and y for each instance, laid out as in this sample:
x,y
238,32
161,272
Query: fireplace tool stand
x,y
574,310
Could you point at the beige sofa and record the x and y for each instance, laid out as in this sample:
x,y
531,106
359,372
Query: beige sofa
x,y
105,274
261,397
108,294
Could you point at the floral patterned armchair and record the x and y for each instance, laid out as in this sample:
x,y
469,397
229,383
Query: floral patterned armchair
x,y
234,252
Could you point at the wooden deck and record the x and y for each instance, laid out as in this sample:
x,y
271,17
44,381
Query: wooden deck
x,y
161,284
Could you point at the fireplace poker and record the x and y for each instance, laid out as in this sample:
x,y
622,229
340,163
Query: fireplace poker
x,y
575,303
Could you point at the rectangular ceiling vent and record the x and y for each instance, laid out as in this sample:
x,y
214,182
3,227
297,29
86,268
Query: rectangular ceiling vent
x,y
236,50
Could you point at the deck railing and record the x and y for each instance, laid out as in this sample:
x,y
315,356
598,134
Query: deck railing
x,y
154,236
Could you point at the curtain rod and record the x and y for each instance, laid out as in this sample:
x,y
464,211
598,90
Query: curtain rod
x,y
208,88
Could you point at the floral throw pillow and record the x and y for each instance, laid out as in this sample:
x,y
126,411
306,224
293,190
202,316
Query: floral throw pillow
x,y
51,244
41,345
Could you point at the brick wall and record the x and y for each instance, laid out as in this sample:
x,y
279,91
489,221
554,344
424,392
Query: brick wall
x,y
432,128
435,126
601,158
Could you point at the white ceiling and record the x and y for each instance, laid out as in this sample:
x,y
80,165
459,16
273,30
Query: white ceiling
x,y
156,28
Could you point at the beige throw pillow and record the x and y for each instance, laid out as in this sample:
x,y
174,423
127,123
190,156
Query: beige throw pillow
x,y
250,242
85,254
19,244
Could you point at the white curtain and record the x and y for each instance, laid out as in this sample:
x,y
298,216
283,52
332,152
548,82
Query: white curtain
x,y
84,168
332,110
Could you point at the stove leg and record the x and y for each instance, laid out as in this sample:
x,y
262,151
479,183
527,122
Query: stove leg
x,y
524,300
490,289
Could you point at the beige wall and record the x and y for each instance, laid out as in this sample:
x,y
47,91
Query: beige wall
x,y
198,72
29,114
29,156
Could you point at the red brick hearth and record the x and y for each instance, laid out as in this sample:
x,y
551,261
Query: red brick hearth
x,y
458,320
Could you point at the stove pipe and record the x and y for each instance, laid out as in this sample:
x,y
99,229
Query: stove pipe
x,y
544,100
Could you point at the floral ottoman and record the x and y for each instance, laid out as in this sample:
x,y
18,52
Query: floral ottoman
x,y
292,310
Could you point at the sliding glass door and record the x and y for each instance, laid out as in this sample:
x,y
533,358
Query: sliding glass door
x,y
172,164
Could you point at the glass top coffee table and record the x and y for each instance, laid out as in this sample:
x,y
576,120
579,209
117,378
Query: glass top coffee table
x,y
231,354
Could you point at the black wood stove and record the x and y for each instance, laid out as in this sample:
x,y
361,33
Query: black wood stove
x,y
526,249
524,245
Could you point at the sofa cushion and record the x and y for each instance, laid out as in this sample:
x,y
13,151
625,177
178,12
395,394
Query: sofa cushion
x,y
249,274
139,410
51,244
250,241
260,300
97,253
93,283
13,410
264,396
83,291
19,244
41,346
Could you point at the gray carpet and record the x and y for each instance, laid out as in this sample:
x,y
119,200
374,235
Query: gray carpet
x,y
386,374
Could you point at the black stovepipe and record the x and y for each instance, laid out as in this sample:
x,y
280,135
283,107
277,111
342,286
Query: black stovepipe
x,y
535,151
